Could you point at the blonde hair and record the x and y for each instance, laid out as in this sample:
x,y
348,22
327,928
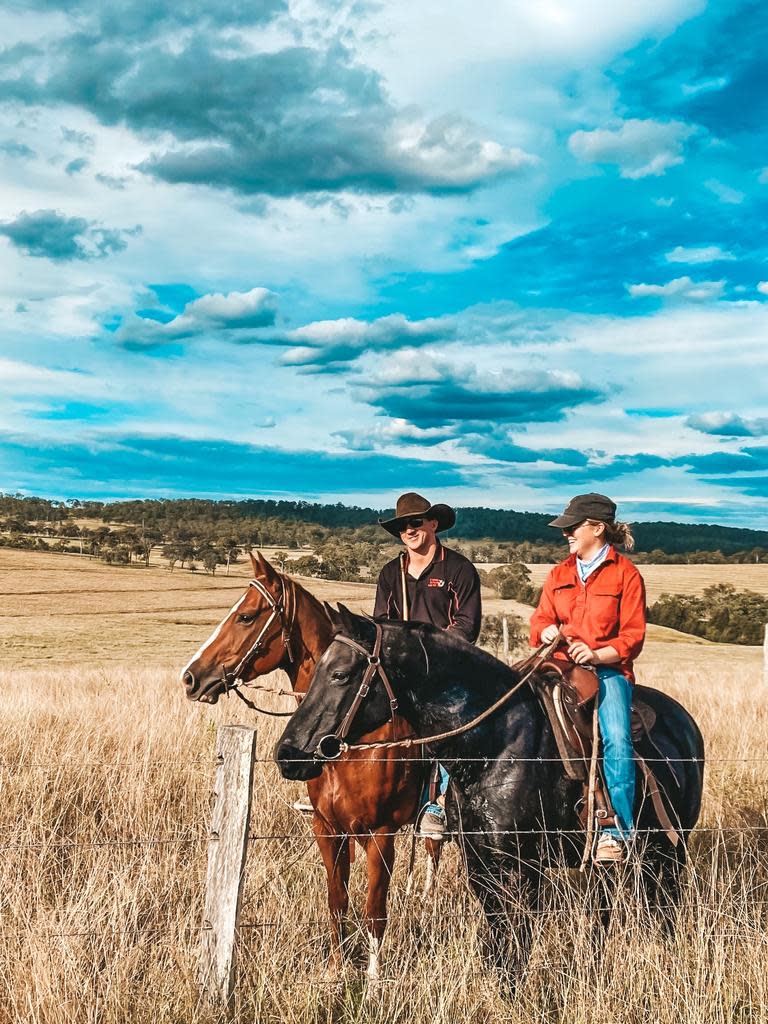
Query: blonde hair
x,y
616,533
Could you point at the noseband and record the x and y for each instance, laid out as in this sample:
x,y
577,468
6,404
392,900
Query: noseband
x,y
334,742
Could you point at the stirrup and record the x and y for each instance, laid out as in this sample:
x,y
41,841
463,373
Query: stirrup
x,y
431,826
609,850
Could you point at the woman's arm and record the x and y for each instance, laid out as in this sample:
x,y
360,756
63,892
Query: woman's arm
x,y
545,614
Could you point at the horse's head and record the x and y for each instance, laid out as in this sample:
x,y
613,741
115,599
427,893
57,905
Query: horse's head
x,y
251,640
349,696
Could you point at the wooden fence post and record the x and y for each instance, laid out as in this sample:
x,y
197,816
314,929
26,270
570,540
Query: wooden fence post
x,y
505,637
226,861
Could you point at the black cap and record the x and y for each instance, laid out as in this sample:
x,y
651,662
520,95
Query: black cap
x,y
586,506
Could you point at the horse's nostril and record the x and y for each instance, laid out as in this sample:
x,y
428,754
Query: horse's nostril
x,y
189,680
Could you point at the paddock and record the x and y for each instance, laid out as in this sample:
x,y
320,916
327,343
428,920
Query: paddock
x,y
108,773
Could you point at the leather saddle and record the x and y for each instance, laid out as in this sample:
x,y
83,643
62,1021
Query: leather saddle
x,y
567,692
573,689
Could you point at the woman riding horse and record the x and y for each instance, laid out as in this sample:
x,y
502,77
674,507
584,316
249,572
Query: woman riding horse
x,y
595,598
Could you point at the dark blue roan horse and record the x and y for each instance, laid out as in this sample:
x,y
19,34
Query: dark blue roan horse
x,y
510,803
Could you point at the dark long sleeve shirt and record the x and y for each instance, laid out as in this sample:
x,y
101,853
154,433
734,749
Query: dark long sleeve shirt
x,y
446,594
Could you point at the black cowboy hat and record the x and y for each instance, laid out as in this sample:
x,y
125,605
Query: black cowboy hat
x,y
414,506
586,506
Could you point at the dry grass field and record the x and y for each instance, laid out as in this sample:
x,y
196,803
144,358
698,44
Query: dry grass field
x,y
106,774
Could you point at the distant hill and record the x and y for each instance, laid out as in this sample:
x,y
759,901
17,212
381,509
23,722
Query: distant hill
x,y
473,523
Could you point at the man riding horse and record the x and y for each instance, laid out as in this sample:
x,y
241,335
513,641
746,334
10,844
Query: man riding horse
x,y
429,583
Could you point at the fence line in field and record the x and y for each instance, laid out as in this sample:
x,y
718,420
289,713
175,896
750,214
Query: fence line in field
x,y
230,834
309,837
208,763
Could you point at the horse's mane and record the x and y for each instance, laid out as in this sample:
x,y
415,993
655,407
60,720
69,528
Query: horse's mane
x,y
447,641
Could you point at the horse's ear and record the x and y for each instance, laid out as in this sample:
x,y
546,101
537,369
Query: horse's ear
x,y
347,619
333,615
256,562
269,572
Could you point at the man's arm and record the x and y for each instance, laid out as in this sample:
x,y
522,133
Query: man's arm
x,y
465,611
385,606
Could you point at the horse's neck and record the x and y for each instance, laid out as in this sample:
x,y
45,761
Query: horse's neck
x,y
445,698
310,636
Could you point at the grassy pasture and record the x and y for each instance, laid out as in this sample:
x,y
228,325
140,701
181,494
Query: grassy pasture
x,y
106,774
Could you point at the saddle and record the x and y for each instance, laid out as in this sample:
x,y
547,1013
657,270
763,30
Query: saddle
x,y
568,692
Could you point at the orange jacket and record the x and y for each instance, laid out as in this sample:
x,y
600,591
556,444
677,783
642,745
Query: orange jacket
x,y
607,611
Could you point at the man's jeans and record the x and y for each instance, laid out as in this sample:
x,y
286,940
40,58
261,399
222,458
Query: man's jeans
x,y
614,713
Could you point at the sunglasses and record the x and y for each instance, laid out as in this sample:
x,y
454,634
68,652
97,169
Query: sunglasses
x,y
411,524
567,530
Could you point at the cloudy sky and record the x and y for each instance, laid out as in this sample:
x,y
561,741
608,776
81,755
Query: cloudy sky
x,y
499,252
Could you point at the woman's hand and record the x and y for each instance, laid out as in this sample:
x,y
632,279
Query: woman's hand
x,y
581,654
549,633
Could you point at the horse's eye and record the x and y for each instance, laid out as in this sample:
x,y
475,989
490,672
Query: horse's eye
x,y
246,619
338,676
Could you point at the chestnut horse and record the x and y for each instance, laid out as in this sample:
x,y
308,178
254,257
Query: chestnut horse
x,y
366,795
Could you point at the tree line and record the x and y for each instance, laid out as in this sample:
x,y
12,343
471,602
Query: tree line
x,y
722,613
291,524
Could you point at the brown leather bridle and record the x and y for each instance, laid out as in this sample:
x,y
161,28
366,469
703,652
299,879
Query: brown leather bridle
x,y
286,616
333,744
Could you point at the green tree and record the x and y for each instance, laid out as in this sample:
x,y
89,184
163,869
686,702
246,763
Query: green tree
x,y
492,632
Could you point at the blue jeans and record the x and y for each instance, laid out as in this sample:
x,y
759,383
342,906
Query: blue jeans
x,y
614,713
442,786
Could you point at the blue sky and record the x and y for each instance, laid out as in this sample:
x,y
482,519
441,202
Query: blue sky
x,y
497,252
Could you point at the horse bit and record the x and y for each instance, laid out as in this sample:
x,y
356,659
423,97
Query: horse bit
x,y
333,744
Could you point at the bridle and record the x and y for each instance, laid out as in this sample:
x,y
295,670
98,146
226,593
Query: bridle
x,y
335,742
333,745
283,608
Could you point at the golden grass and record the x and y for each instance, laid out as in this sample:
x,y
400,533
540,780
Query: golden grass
x,y
107,771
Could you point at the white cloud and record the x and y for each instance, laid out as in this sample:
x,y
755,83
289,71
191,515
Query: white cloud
x,y
724,193
680,288
638,147
448,153
210,314
705,254
705,85
729,424
338,341
762,287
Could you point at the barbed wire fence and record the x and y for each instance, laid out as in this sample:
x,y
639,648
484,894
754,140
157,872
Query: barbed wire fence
x,y
229,837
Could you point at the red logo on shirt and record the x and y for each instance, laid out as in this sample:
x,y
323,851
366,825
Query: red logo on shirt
x,y
434,582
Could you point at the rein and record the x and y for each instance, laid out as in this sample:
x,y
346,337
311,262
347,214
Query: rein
x,y
374,665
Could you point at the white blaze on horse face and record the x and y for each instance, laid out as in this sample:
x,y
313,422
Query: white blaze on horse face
x,y
203,648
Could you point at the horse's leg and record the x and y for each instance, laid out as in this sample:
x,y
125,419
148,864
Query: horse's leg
x,y
434,849
380,854
334,849
510,894
662,870
488,887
